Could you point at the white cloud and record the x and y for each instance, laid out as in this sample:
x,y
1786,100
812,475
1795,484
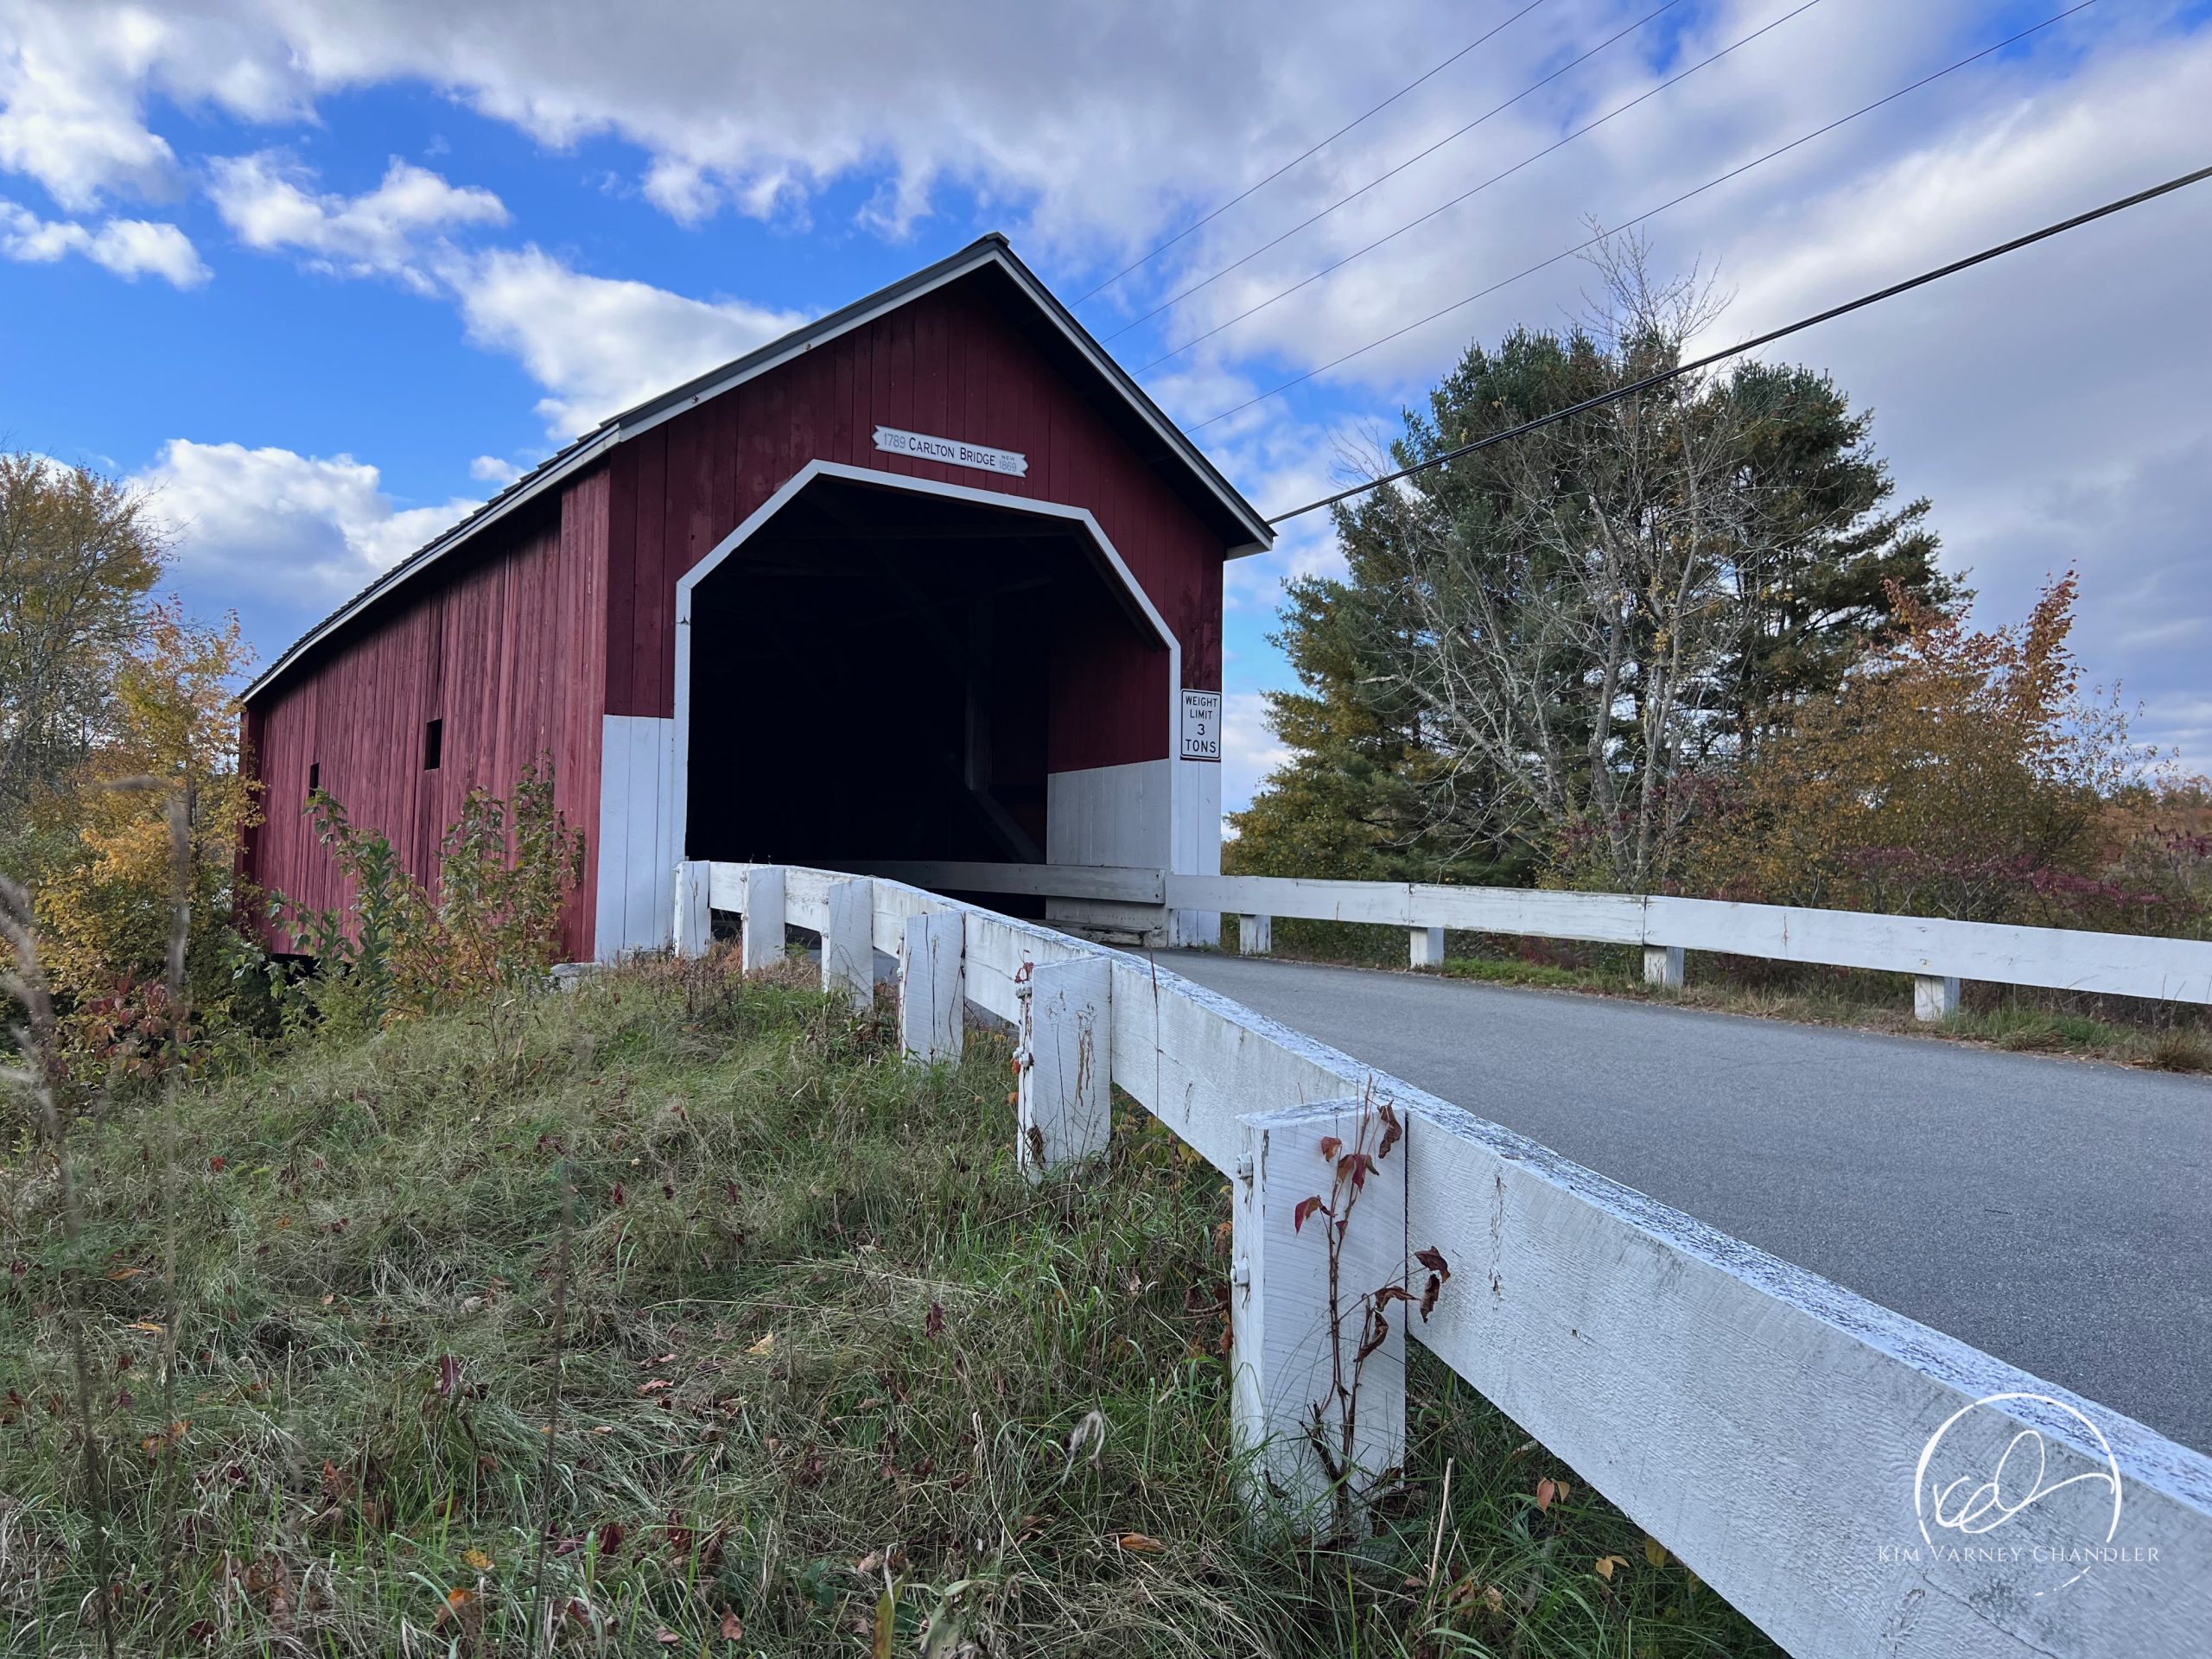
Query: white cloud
x,y
1250,749
2141,536
491,469
1093,124
310,530
598,344
132,248
268,199
75,79
69,114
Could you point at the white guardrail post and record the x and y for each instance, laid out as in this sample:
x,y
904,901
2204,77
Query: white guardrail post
x,y
932,986
1934,997
849,943
1318,1219
694,933
1428,947
1662,966
1065,1060
1255,935
764,918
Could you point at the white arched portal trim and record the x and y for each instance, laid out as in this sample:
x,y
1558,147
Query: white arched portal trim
x,y
646,772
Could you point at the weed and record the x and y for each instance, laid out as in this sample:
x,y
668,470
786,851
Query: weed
x,y
685,1314
2179,1048
1513,971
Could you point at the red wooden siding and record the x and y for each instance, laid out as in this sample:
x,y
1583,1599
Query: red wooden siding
x,y
950,365
506,653
522,639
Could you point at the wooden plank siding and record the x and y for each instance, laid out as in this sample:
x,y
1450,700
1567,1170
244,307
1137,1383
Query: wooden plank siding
x,y
507,652
528,635
948,365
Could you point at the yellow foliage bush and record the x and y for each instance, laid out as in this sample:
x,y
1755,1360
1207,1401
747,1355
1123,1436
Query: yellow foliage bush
x,y
1958,773
106,904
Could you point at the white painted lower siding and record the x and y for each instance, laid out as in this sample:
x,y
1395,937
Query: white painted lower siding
x,y
1145,815
1112,816
640,834
1198,845
1109,815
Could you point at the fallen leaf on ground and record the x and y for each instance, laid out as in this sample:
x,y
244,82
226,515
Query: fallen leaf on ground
x,y
1138,1543
763,1348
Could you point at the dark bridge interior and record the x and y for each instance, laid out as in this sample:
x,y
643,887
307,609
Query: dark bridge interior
x,y
872,678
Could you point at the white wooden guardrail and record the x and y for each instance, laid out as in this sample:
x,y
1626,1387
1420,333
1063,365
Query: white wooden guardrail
x,y
1937,952
1799,1447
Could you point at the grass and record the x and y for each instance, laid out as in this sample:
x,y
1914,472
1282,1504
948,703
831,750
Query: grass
x,y
827,1367
1511,970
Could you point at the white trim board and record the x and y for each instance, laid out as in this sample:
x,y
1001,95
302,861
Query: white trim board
x,y
1117,570
640,835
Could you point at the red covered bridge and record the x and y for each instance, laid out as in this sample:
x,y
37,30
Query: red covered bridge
x,y
927,579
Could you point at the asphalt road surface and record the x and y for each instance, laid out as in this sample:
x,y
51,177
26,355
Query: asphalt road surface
x,y
2055,1214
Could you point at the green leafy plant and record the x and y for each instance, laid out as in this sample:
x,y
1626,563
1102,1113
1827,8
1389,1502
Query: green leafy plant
x,y
394,949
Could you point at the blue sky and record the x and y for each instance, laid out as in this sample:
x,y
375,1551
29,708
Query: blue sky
x,y
320,277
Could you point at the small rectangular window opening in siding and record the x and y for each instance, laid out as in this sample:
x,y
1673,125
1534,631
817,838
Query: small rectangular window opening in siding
x,y
315,776
434,743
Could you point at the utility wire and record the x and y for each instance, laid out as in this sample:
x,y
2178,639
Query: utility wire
x,y
1303,155
1591,242
1177,299
1772,334
1466,195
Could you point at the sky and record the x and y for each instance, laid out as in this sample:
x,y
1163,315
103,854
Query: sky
x,y
322,275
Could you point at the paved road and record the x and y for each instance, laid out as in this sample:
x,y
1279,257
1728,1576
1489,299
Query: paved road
x,y
2055,1214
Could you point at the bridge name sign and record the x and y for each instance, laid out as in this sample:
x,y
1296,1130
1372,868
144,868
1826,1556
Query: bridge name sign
x,y
951,451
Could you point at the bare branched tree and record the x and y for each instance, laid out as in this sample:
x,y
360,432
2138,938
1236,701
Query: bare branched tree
x,y
1541,654
1575,625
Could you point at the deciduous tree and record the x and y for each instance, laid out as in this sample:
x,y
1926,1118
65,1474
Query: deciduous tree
x,y
170,730
1958,772
78,555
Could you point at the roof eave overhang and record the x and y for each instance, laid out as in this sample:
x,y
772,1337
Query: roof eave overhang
x,y
563,465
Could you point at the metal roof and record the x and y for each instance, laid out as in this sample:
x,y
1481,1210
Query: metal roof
x,y
992,250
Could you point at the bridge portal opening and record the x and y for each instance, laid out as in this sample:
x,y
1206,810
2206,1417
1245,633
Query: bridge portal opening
x,y
883,674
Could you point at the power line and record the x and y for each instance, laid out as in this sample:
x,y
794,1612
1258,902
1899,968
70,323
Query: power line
x,y
1307,153
1767,338
1582,246
1466,195
1177,299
